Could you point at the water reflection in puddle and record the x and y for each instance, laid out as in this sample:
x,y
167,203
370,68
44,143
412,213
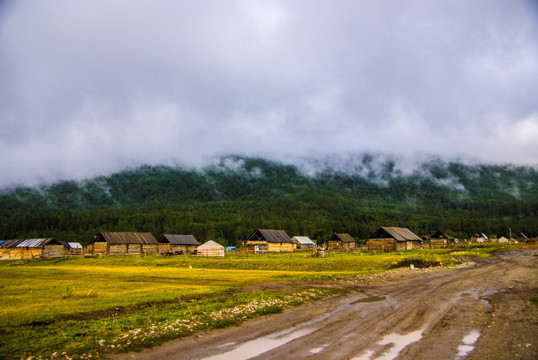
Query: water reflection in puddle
x,y
398,341
259,346
318,349
468,344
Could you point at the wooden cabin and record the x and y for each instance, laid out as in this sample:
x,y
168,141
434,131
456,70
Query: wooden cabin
x,y
74,248
302,242
274,240
178,244
342,242
210,249
440,240
124,243
32,248
393,239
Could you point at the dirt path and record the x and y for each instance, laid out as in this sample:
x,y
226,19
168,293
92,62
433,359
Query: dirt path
x,y
483,311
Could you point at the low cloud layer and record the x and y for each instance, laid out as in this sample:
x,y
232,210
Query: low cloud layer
x,y
91,87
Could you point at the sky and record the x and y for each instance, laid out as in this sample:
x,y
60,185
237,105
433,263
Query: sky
x,y
92,87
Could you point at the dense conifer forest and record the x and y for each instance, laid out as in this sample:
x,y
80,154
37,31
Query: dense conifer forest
x,y
228,200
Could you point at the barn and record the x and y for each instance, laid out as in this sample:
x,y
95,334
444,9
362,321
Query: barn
x,y
32,248
124,243
274,240
178,244
342,242
440,240
302,242
210,249
393,239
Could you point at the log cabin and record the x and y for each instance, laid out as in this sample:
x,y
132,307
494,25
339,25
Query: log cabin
x,y
393,239
124,243
274,240
342,242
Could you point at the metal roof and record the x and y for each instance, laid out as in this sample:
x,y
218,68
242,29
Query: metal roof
x,y
119,238
179,239
397,233
273,236
74,245
29,243
303,240
344,238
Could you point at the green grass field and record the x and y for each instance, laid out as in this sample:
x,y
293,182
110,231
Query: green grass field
x,y
81,308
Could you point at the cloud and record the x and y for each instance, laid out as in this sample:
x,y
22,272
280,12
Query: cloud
x,y
94,86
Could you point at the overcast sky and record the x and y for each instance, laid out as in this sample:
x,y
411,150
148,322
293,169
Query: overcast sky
x,y
91,87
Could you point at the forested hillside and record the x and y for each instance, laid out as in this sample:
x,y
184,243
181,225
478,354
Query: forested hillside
x,y
228,200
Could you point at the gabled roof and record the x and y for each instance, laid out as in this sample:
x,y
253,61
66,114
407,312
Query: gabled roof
x,y
119,238
210,245
343,237
303,240
273,236
179,239
29,243
440,235
397,233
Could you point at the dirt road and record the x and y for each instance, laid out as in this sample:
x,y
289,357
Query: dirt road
x,y
481,311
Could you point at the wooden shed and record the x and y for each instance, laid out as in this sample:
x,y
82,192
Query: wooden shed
x,y
275,240
440,240
343,242
302,242
210,249
393,239
124,243
32,248
178,244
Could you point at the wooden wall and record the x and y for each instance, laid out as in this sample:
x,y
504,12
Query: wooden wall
x,y
52,251
381,244
100,247
149,249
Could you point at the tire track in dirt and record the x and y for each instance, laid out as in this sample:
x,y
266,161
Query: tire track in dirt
x,y
424,317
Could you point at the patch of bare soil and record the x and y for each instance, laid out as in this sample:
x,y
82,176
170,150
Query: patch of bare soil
x,y
480,311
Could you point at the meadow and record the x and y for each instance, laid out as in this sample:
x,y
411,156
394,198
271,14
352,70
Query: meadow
x,y
81,308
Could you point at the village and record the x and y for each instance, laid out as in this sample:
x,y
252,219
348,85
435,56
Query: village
x,y
384,239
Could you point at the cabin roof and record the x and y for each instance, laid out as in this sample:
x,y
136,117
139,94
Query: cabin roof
x,y
29,243
397,233
75,245
273,236
179,239
440,235
343,237
303,240
119,238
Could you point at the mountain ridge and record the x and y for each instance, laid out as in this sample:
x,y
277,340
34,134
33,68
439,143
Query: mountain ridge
x,y
243,192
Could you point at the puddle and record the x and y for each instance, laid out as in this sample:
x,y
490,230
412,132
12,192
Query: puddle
x,y
370,299
318,349
399,343
494,298
259,346
467,344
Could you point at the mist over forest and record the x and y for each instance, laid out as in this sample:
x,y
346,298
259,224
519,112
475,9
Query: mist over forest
x,y
227,200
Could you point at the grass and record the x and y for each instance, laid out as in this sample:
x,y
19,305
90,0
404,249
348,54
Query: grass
x,y
74,308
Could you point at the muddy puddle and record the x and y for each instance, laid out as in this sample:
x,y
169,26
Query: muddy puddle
x,y
397,343
261,345
467,345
